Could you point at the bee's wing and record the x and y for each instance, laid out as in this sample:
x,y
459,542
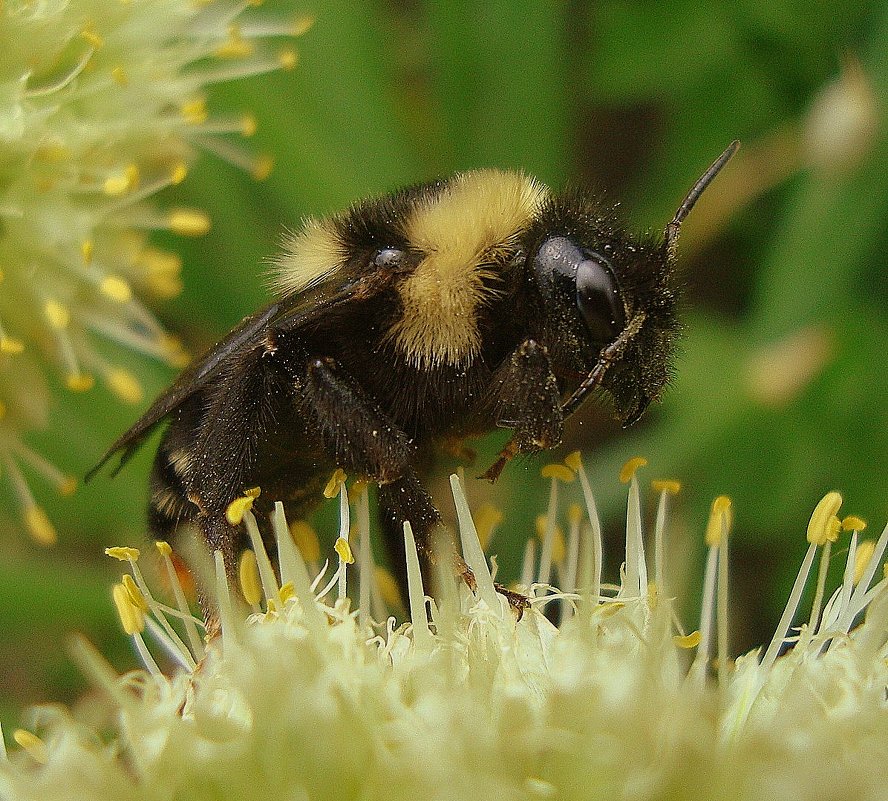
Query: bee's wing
x,y
292,312
192,378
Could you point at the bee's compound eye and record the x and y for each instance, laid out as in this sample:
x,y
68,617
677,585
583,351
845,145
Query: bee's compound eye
x,y
598,298
387,257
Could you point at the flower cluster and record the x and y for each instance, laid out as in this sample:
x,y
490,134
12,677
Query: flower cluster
x,y
306,697
102,105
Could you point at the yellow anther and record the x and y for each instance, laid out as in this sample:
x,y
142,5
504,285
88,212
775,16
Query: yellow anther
x,y
174,350
687,641
67,486
574,461
52,153
32,745
853,523
302,24
194,112
163,547
306,540
720,519
235,46
87,246
125,385
131,617
653,595
629,469
179,173
116,288
862,557
336,481
824,526
388,587
119,75
610,608
41,530
123,553
558,547
234,514
134,593
487,517
668,486
165,287
92,37
557,471
248,125
80,382
286,592
248,572
575,514
344,551
11,347
262,167
288,58
189,222
158,261
123,182
58,315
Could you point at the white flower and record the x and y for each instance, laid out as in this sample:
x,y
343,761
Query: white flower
x,y
308,699
102,105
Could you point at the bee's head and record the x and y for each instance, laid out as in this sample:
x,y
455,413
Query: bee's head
x,y
608,305
607,302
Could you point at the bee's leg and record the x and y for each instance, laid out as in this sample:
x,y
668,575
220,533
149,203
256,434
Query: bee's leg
x,y
238,410
526,398
407,500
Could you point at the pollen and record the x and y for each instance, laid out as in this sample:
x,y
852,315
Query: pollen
x,y
824,525
67,486
262,167
668,486
288,59
306,540
388,587
189,222
194,112
32,745
487,517
853,523
119,75
720,519
302,24
116,288
86,250
134,593
131,617
123,553
11,347
234,514
862,557
574,461
57,314
91,37
248,125
80,382
687,641
125,386
344,551
558,471
286,592
235,46
336,481
575,514
248,573
630,468
163,548
39,527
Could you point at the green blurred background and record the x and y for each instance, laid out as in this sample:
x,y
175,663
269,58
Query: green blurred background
x,y
781,383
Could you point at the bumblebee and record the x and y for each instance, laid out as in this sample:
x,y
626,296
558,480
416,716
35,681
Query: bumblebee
x,y
440,311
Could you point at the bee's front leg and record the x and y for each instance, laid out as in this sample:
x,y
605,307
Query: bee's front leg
x,y
526,398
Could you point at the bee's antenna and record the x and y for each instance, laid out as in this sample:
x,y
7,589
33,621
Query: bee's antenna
x,y
694,195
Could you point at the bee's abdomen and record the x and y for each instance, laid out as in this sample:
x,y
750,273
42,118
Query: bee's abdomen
x,y
168,505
